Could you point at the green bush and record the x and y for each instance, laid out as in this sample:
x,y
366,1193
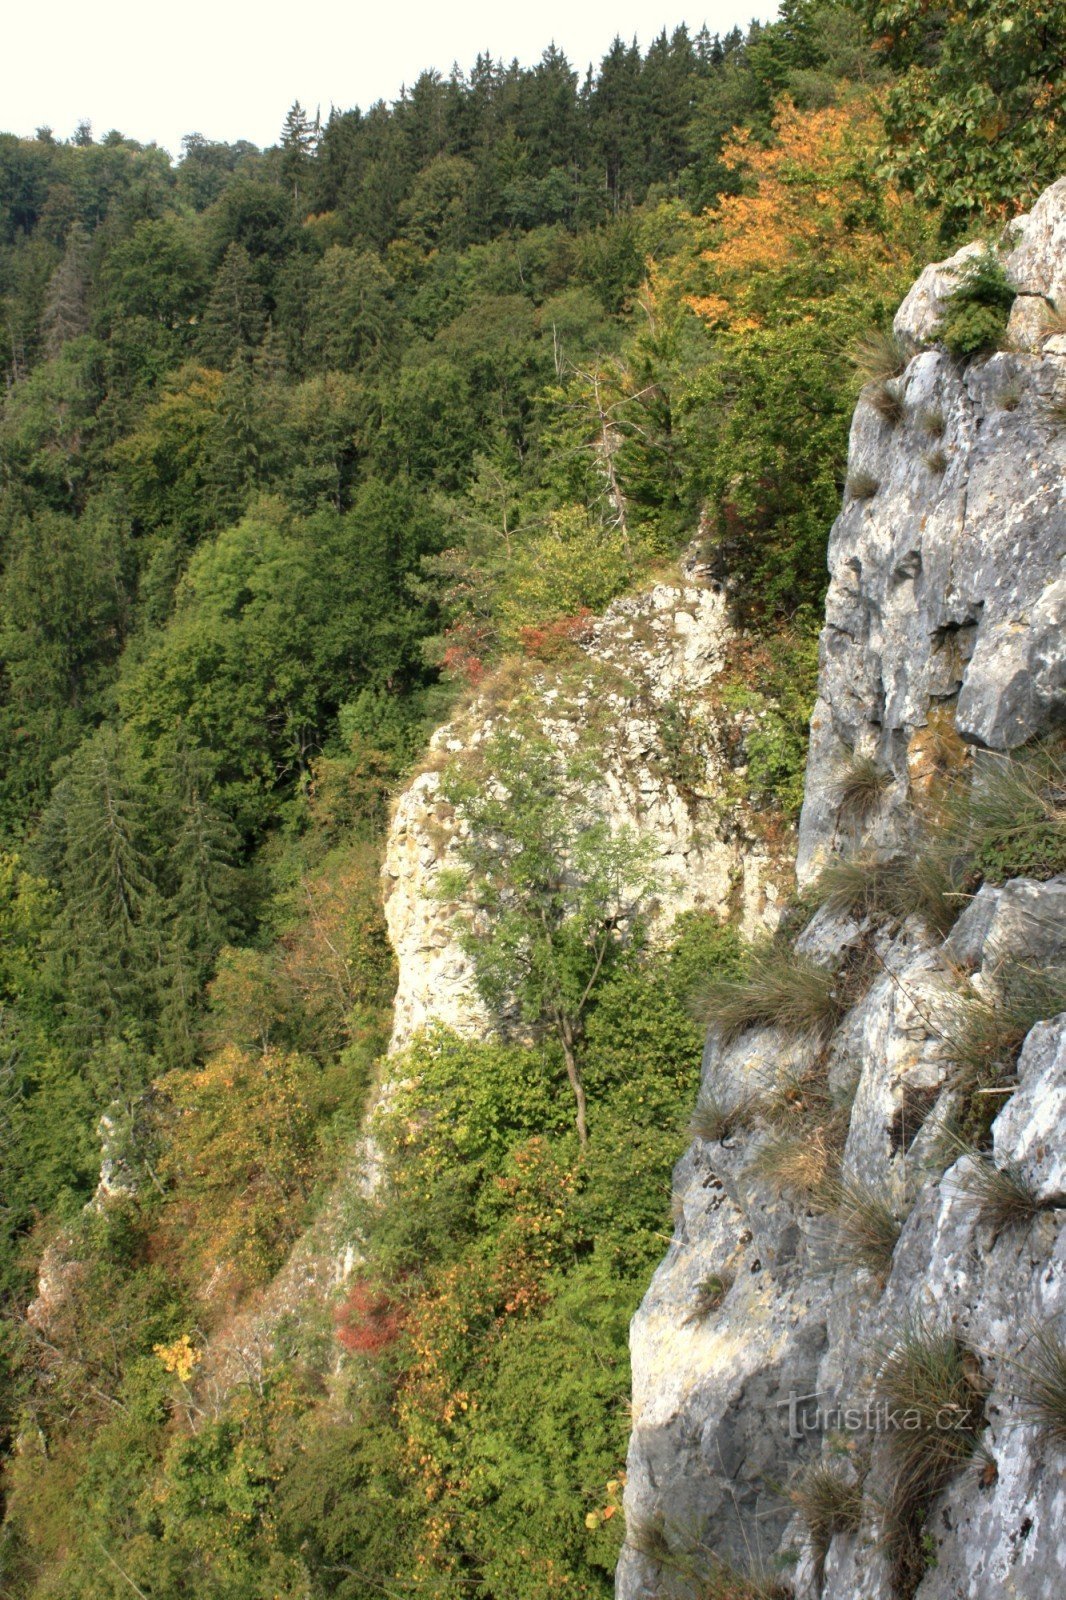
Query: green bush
x,y
975,317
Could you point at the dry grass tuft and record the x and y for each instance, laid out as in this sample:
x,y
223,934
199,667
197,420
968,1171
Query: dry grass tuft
x,y
985,1036
704,1575
714,1121
781,990
1055,319
928,881
862,485
936,461
1002,1195
805,1162
797,1095
725,1582
879,356
860,788
931,422
867,1228
887,402
1009,397
829,1503
931,1383
1043,1385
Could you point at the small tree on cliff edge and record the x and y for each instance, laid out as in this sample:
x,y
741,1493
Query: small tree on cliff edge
x,y
552,895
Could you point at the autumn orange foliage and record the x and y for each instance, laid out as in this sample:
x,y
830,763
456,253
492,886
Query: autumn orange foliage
x,y
811,209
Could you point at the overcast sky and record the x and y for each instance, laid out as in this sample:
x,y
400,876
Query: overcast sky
x,y
231,72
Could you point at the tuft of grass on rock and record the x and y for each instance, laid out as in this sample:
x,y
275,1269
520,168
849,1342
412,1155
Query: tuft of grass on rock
x,y
704,1575
985,1035
709,1296
782,989
862,485
726,1582
867,1228
795,1096
1002,1196
829,1503
804,1162
1009,397
930,1383
879,356
1042,1386
936,461
1013,814
860,788
714,1121
857,886
927,881
931,422
887,401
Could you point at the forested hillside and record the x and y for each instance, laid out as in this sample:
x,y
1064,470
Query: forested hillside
x,y
297,447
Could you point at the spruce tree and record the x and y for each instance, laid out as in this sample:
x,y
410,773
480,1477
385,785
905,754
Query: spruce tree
x,y
299,137
234,318
66,304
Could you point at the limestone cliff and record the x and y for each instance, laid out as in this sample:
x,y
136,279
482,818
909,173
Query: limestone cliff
x,y
942,648
642,683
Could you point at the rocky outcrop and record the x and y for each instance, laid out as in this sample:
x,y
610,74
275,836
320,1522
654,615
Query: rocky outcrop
x,y
639,692
948,598
761,1339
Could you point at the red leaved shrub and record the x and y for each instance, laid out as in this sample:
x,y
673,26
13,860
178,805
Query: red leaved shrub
x,y
367,1321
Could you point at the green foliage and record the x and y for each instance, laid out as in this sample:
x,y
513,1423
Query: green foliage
x,y
561,892
775,685
282,433
975,317
769,397
977,118
574,566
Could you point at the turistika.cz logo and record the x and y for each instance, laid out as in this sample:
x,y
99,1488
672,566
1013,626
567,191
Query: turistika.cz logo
x,y
809,1413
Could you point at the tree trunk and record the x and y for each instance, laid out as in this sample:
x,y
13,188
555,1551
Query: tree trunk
x,y
573,1072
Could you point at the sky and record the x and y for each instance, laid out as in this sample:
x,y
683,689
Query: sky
x,y
231,71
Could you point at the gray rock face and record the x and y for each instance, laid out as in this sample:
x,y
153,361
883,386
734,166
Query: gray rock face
x,y
947,601
943,642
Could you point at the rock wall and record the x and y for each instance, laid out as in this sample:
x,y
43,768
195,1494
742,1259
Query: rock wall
x,y
649,665
942,641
